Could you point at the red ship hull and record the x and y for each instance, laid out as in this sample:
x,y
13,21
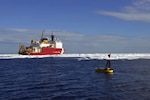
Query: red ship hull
x,y
48,51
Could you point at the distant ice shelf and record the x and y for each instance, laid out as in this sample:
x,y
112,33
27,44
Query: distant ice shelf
x,y
84,56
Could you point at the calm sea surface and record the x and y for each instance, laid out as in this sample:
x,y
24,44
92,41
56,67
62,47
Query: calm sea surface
x,y
68,78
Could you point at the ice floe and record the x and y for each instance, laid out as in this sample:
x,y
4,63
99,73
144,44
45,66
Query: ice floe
x,y
84,56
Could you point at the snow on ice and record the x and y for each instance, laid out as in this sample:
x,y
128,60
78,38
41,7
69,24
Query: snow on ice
x,y
84,56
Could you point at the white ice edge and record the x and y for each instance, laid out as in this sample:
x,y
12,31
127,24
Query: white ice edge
x,y
84,56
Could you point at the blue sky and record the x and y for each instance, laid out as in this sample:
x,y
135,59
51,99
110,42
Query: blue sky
x,y
84,26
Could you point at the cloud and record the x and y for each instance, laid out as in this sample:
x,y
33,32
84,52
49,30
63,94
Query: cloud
x,y
14,35
75,42
142,5
137,11
128,16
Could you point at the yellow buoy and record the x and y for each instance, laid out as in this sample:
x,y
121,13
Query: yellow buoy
x,y
106,70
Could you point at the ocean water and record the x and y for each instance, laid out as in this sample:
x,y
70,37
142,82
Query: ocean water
x,y
73,78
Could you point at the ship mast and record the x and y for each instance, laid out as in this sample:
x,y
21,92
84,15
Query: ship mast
x,y
42,34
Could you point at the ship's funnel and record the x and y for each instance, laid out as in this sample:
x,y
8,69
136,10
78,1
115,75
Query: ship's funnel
x,y
52,37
